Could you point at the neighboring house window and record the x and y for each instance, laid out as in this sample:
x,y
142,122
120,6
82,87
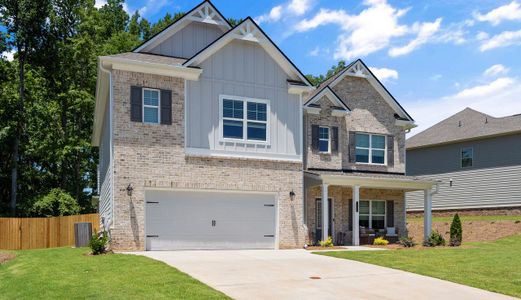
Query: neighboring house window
x,y
151,104
370,148
467,156
372,214
250,124
323,139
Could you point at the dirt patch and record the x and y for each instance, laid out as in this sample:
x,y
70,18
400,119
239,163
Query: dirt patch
x,y
473,231
5,257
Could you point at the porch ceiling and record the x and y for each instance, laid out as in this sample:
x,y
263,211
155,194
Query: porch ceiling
x,y
382,181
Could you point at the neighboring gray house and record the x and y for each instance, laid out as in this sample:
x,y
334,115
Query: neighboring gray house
x,y
476,156
202,142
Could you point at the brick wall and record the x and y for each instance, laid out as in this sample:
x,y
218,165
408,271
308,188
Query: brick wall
x,y
150,155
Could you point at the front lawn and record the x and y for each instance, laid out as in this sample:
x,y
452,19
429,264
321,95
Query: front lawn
x,y
66,273
493,266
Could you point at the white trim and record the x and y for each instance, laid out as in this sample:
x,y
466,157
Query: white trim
x,y
111,129
338,113
312,110
298,89
328,140
405,124
158,106
203,152
332,216
370,149
328,93
177,70
185,113
205,17
244,120
370,214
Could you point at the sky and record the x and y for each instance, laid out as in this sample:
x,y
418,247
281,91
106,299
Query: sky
x,y
435,57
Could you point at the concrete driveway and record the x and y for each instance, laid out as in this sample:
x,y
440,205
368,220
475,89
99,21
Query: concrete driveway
x,y
286,274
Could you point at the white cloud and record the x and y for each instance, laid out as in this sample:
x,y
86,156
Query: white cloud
x,y
384,74
496,70
508,12
99,3
504,39
315,51
480,36
436,77
294,7
274,15
299,7
425,32
499,97
9,55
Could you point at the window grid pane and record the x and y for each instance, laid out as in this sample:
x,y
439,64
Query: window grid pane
x,y
151,97
232,129
362,140
233,109
256,131
256,111
378,142
150,114
362,155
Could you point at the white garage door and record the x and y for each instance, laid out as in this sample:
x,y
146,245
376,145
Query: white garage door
x,y
178,220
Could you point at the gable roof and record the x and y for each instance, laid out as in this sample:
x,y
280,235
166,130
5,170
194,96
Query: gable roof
x,y
248,30
205,12
465,125
358,68
331,95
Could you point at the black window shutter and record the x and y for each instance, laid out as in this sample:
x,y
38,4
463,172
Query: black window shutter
x,y
166,107
350,218
390,151
136,104
334,139
314,137
352,147
390,213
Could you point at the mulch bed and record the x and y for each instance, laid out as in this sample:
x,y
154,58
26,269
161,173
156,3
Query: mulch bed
x,y
324,248
4,257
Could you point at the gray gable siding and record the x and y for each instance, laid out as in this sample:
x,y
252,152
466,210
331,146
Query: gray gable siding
x,y
242,69
488,153
189,40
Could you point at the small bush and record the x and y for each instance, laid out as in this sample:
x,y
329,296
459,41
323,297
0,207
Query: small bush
x,y
407,242
380,241
98,243
435,239
456,232
327,243
56,203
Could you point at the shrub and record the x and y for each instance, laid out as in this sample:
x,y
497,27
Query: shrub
x,y
435,239
327,243
456,231
56,203
407,242
380,241
98,243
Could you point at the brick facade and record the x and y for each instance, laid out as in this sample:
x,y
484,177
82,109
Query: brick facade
x,y
152,156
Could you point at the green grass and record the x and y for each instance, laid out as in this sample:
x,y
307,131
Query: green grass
x,y
468,218
66,273
493,266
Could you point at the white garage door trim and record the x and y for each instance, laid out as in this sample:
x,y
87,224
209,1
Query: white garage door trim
x,y
274,194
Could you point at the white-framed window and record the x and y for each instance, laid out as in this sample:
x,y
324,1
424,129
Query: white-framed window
x,y
151,106
372,214
244,119
324,139
371,148
467,157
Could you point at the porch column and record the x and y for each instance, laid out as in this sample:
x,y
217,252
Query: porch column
x,y
427,214
356,215
325,211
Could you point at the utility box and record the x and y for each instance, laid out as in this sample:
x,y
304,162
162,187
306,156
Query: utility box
x,y
82,234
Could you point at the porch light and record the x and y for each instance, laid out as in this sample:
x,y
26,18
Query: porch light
x,y
292,195
129,189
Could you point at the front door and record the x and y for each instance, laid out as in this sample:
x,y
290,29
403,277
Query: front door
x,y
318,218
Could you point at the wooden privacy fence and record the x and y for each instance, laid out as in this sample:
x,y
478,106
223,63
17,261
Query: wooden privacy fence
x,y
33,233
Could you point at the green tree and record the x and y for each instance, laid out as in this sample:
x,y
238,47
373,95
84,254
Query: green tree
x,y
56,203
317,80
456,231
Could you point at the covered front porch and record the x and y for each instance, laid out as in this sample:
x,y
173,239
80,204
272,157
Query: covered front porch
x,y
361,207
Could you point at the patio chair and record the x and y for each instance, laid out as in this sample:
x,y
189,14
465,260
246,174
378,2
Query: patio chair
x,y
391,234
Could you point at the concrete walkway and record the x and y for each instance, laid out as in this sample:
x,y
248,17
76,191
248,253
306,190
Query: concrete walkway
x,y
287,274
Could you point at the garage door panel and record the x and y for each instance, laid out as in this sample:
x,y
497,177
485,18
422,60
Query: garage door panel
x,y
209,220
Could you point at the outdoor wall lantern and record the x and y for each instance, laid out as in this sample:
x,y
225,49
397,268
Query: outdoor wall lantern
x,y
292,195
129,189
450,182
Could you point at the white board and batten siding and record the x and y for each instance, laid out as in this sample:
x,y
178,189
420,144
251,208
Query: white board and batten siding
x,y
185,220
479,188
188,41
105,172
243,69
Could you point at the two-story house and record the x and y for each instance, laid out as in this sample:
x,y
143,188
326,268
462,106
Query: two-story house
x,y
202,142
476,156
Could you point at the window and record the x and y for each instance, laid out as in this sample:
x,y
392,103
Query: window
x,y
467,155
151,101
370,148
372,214
249,124
323,139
